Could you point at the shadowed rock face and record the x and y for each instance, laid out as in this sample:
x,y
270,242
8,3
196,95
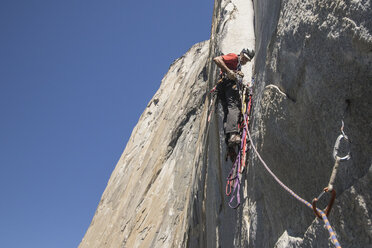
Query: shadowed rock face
x,y
313,68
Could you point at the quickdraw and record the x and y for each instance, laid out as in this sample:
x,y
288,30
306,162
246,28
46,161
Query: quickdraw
x,y
317,211
322,214
332,179
337,145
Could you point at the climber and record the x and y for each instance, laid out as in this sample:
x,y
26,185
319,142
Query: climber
x,y
230,65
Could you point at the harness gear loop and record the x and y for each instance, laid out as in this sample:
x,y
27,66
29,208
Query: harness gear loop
x,y
330,204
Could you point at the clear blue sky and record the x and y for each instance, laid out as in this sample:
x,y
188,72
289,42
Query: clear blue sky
x,y
75,76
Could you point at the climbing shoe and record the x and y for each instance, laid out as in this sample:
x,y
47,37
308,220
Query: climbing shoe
x,y
234,139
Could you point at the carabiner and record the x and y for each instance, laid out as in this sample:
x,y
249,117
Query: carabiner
x,y
329,207
337,145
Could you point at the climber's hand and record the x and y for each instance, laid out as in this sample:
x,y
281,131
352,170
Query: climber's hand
x,y
231,75
241,74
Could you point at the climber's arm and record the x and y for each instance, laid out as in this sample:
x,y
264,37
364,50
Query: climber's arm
x,y
221,64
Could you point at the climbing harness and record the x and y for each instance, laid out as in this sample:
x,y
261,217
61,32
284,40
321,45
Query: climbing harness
x,y
322,214
332,179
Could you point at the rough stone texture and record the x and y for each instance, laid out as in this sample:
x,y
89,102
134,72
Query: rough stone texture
x,y
286,241
168,188
313,68
146,199
351,218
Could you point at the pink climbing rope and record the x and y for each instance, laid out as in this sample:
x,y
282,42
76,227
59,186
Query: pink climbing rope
x,y
323,215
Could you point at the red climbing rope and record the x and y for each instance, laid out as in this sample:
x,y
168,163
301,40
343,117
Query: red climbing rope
x,y
234,178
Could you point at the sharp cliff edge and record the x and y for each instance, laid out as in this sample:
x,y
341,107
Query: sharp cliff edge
x,y
312,69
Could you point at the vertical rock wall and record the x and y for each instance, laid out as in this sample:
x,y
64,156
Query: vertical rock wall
x,y
312,69
167,190
146,200
213,223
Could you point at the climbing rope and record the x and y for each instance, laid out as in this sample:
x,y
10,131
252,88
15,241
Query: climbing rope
x,y
321,213
234,178
235,175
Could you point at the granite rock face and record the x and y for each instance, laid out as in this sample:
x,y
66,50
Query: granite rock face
x,y
313,68
145,202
